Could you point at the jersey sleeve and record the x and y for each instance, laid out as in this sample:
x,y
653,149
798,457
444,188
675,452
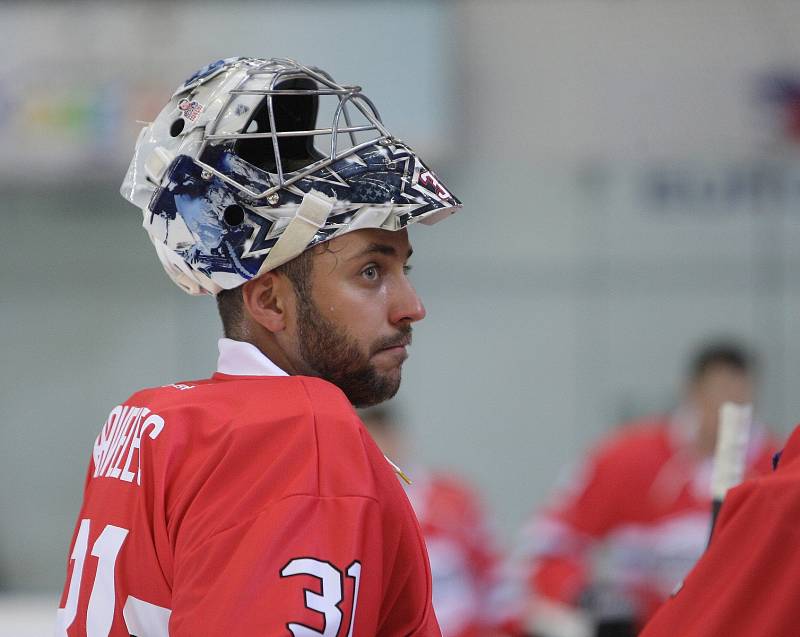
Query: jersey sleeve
x,y
305,563
746,582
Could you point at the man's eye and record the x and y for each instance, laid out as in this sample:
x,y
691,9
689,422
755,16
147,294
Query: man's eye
x,y
370,273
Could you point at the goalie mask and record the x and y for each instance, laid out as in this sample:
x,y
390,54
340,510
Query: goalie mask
x,y
253,161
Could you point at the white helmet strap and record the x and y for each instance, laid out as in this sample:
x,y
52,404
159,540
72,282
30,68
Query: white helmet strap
x,y
309,218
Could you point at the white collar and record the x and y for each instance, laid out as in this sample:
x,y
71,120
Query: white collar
x,y
237,358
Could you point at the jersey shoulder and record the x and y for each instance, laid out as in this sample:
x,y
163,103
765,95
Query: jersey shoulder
x,y
232,446
300,429
233,403
178,433
349,461
638,446
450,502
643,433
453,492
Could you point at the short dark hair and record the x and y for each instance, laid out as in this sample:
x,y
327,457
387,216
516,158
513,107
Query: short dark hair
x,y
724,353
230,303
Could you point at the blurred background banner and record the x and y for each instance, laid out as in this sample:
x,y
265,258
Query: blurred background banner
x,y
69,105
631,180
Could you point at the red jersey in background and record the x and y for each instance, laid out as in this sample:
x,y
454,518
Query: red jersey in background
x,y
617,539
746,583
461,551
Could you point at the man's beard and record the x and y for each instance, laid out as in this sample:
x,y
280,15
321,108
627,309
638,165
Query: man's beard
x,y
331,353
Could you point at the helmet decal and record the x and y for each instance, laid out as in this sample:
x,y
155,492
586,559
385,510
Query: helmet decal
x,y
208,71
219,187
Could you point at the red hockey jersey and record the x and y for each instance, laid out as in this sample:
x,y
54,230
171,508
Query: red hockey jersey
x,y
746,583
642,504
244,505
461,550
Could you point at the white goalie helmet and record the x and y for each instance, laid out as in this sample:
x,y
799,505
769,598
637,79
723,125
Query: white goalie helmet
x,y
253,161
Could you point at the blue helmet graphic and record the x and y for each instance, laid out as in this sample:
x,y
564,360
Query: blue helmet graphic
x,y
254,161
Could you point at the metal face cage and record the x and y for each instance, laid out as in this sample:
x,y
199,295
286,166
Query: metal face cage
x,y
281,70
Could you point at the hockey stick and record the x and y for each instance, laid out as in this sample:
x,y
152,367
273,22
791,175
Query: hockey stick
x,y
729,457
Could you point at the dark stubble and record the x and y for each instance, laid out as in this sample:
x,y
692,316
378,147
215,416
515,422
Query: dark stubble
x,y
331,353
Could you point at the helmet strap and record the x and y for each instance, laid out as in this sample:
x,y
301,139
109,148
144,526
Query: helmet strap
x,y
309,218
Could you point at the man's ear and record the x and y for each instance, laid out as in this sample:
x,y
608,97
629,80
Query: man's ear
x,y
266,300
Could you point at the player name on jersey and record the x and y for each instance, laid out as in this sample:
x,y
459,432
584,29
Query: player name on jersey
x,y
116,451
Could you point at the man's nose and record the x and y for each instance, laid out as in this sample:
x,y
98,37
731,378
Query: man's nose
x,y
408,306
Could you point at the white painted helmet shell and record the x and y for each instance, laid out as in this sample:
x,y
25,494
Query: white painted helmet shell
x,y
233,182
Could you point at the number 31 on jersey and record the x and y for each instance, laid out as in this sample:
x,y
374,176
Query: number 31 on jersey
x,y
149,620
327,601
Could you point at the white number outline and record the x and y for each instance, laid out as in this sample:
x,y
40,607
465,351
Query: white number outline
x,y
354,572
102,600
328,602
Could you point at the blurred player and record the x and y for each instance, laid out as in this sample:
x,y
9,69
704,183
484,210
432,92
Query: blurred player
x,y
611,545
746,582
460,547
254,502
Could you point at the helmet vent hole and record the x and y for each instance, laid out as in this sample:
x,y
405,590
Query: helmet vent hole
x,y
233,215
177,127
